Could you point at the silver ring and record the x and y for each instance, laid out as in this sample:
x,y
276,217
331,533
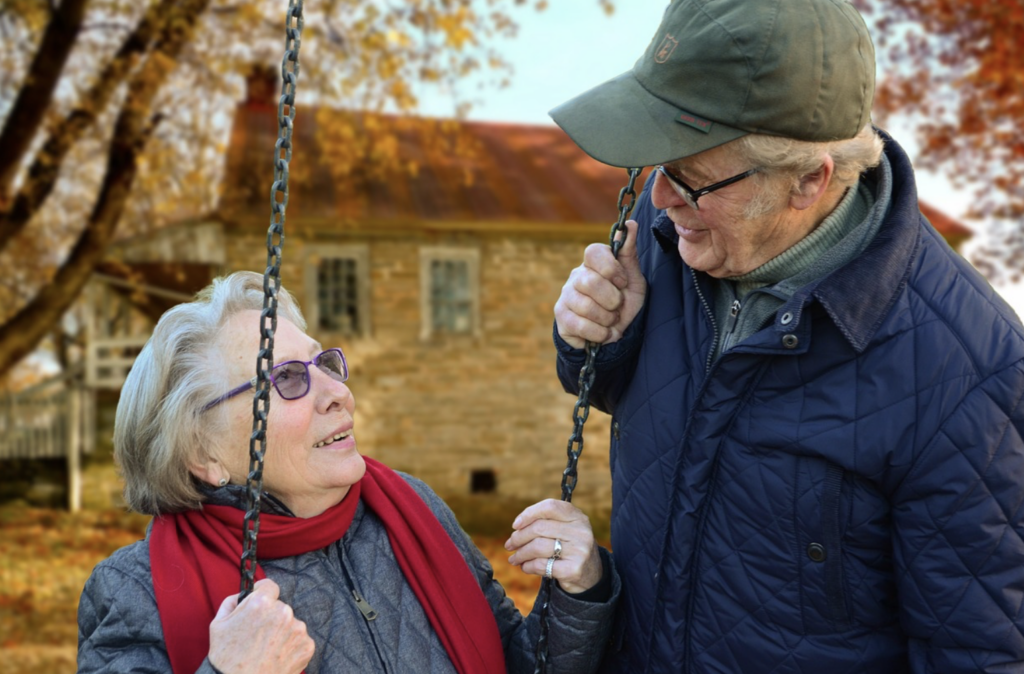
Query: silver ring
x,y
551,564
557,554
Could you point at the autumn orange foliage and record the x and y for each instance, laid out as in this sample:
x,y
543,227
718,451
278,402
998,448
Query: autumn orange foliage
x,y
116,113
957,67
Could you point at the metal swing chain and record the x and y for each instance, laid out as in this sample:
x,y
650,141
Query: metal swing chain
x,y
581,411
271,287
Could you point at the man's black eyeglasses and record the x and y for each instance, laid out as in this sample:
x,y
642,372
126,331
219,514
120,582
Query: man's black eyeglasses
x,y
691,195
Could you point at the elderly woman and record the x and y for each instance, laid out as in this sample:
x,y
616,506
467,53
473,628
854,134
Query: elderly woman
x,y
361,569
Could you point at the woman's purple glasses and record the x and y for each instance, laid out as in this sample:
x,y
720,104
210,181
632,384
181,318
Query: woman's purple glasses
x,y
291,378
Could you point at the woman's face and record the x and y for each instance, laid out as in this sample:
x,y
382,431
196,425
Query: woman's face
x,y
311,458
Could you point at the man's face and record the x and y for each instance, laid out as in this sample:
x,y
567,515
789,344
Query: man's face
x,y
719,238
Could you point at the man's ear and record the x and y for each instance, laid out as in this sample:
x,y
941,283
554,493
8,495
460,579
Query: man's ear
x,y
812,186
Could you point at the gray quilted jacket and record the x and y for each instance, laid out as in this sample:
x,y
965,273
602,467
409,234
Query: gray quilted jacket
x,y
119,626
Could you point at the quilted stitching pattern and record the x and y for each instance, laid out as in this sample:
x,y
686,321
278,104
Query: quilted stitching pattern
x,y
119,626
719,480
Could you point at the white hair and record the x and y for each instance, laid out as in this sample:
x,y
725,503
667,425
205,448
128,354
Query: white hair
x,y
784,161
159,429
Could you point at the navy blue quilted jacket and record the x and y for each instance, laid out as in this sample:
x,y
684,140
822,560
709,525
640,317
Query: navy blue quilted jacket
x,y
840,493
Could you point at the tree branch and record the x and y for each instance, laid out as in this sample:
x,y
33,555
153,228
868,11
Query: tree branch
x,y
42,174
23,332
40,81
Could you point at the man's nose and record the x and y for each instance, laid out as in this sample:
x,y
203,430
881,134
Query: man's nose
x,y
663,195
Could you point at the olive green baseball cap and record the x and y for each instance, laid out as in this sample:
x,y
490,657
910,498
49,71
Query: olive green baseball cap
x,y
717,70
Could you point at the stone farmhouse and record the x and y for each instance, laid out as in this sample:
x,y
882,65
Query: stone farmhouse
x,y
439,289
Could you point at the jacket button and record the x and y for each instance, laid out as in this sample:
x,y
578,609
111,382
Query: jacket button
x,y
786,319
615,429
790,341
816,551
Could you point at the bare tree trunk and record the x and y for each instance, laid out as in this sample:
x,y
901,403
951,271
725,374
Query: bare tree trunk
x,y
33,99
45,168
23,332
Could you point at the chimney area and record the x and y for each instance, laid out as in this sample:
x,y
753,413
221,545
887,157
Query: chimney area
x,y
263,86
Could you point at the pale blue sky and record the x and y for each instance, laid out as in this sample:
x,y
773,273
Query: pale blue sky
x,y
563,50
573,45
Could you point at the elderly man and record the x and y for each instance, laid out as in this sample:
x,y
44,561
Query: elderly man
x,y
816,449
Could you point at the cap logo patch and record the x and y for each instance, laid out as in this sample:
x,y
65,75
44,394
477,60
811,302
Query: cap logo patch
x,y
699,123
665,49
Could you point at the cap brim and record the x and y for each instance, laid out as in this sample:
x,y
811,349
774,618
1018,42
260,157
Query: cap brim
x,y
622,124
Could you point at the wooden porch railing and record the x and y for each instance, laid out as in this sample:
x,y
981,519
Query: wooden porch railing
x,y
53,419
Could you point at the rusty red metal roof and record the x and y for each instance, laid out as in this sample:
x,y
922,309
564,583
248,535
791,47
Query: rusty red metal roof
x,y
945,225
517,173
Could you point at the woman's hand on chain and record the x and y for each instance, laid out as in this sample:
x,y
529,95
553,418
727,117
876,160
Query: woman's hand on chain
x,y
577,566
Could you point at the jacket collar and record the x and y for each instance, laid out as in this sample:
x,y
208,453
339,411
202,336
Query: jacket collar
x,y
237,496
860,294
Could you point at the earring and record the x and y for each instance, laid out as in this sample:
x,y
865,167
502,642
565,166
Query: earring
x,y
223,481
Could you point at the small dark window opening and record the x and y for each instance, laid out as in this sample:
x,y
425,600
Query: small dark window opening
x,y
338,293
451,296
482,481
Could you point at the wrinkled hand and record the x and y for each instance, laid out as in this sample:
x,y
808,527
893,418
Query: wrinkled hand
x,y
603,295
262,635
533,542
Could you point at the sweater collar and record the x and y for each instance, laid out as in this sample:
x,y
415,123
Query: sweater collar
x,y
860,294
802,263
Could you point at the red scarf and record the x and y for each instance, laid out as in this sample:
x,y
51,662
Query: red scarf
x,y
195,564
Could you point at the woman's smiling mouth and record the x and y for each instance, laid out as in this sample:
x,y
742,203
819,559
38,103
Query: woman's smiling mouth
x,y
333,438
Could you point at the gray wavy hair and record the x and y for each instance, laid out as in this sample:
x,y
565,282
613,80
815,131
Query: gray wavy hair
x,y
784,161
159,429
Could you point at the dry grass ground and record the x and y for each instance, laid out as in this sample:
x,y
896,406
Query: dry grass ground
x,y
47,555
45,558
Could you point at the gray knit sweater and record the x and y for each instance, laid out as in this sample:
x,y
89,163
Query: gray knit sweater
x,y
119,625
743,304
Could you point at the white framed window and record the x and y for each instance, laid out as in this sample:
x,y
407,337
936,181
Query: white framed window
x,y
449,291
338,289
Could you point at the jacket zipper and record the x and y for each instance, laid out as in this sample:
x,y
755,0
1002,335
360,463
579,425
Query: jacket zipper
x,y
695,561
711,317
669,530
364,606
367,611
660,576
702,519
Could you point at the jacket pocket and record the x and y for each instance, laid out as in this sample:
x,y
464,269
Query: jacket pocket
x,y
614,442
835,582
820,524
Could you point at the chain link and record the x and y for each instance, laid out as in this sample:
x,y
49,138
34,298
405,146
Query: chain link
x,y
268,326
616,238
271,287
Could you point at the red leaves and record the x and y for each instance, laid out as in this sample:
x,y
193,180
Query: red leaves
x,y
957,67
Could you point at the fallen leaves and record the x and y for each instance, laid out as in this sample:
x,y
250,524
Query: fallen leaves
x,y
45,558
47,555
